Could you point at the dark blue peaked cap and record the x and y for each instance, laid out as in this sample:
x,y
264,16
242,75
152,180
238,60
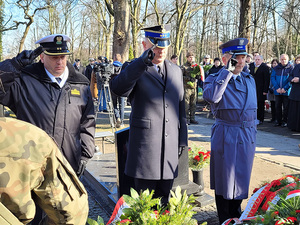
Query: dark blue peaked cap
x,y
159,35
236,46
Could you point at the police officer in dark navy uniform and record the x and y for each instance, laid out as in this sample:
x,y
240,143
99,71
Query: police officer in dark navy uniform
x,y
232,95
158,127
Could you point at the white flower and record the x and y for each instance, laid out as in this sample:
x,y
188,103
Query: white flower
x,y
290,180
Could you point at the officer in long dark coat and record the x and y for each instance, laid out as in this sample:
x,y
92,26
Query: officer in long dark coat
x,y
158,127
232,95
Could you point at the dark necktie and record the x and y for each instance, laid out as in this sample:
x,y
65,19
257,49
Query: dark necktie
x,y
238,78
160,71
58,79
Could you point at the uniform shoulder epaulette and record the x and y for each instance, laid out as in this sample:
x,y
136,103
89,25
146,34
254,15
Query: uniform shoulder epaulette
x,y
214,74
247,74
127,63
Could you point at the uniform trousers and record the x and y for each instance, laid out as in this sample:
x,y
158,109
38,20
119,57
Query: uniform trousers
x,y
228,208
190,96
261,110
161,188
281,100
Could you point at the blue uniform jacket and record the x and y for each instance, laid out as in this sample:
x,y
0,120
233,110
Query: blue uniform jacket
x,y
233,136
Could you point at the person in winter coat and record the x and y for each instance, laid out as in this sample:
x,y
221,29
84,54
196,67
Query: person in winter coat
x,y
261,73
280,81
232,95
294,100
78,67
158,127
53,96
215,68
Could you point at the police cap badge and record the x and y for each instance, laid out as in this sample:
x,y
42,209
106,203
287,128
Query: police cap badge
x,y
55,44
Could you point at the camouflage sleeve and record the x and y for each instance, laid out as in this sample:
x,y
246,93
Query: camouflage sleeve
x,y
33,170
61,195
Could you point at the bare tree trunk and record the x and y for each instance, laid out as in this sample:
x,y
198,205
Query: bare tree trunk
x,y
245,19
121,29
272,5
108,34
136,24
204,24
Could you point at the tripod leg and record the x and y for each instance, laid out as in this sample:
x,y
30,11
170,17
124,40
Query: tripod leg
x,y
109,106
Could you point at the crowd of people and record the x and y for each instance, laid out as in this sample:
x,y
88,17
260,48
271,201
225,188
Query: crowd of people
x,y
58,97
277,86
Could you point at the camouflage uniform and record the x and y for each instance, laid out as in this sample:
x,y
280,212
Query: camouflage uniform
x,y
33,170
190,92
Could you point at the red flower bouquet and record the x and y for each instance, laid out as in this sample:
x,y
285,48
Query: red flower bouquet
x,y
198,158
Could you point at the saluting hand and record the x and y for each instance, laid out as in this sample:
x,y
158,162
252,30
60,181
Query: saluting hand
x,y
148,56
232,63
27,57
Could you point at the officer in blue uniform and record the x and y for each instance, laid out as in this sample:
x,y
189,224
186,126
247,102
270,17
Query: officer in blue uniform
x,y
232,95
154,87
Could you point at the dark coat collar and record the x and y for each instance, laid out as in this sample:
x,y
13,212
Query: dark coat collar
x,y
37,71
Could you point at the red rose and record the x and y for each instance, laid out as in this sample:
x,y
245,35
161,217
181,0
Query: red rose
x,y
166,212
293,219
197,158
124,221
276,183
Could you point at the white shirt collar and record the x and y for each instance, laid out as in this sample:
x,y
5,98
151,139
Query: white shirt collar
x,y
235,75
156,65
63,77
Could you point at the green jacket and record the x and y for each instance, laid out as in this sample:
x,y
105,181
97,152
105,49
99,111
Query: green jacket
x,y
190,77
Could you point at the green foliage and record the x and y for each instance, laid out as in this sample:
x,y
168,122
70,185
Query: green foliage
x,y
178,212
93,222
207,67
130,56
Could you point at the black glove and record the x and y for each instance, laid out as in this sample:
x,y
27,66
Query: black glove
x,y
180,150
232,63
148,56
26,57
81,168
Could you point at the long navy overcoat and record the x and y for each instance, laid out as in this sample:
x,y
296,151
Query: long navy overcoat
x,y
233,136
157,121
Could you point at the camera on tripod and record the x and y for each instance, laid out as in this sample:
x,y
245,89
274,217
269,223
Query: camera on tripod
x,y
104,69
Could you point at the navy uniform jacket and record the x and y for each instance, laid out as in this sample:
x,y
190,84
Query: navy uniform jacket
x,y
66,114
233,136
157,120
